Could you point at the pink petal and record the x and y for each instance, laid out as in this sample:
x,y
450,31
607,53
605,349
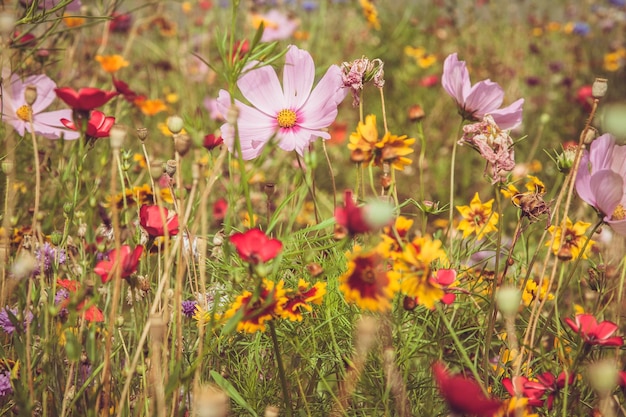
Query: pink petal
x,y
446,277
612,341
45,91
601,153
608,189
509,117
298,77
320,110
586,323
455,79
583,181
262,89
618,226
604,330
483,98
49,125
573,325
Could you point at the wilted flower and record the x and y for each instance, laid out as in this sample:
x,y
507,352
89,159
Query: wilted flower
x,y
357,73
293,114
494,145
481,99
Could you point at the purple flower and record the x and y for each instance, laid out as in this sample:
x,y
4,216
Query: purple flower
x,y
581,28
17,112
481,99
292,114
48,254
9,315
5,384
189,307
601,179
211,105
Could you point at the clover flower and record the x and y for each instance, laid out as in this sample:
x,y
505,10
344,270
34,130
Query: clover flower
x,y
478,100
293,114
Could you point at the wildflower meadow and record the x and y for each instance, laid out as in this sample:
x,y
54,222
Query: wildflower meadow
x,y
313,208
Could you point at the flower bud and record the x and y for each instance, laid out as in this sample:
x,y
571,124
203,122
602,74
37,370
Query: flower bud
x,y
416,113
7,23
565,160
142,133
170,168
30,94
588,135
599,87
175,124
603,376
508,300
378,213
182,143
117,134
56,237
68,207
24,266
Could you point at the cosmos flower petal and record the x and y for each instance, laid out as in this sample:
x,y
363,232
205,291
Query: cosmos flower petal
x,y
608,188
583,181
319,111
509,117
261,88
455,79
484,97
298,76
601,153
45,91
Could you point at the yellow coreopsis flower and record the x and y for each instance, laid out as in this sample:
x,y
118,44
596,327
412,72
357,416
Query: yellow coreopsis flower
x,y
257,310
111,63
371,14
574,240
393,150
363,140
478,218
151,107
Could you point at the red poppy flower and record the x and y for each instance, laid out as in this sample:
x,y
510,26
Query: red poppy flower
x,y
211,141
126,259
254,246
463,395
120,22
594,333
534,394
429,81
123,88
220,208
151,220
93,313
85,99
350,217
584,97
98,126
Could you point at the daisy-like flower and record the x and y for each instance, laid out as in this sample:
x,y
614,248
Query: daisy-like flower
x,y
302,298
111,63
594,333
255,311
478,218
541,391
533,292
255,247
516,407
390,246
371,13
463,395
481,99
276,25
392,149
363,140
366,282
17,112
414,270
574,241
293,114
601,181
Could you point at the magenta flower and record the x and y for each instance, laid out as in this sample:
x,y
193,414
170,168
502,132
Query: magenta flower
x,y
17,112
293,115
98,126
601,181
481,99
594,333
541,392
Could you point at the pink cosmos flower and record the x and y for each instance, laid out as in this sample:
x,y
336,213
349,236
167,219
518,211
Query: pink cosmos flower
x,y
277,25
601,180
483,98
293,114
17,113
594,333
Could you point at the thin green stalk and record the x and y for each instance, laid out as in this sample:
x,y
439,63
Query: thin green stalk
x,y
281,370
452,168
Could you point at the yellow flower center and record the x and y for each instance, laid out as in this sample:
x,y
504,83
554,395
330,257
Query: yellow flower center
x,y
25,113
619,213
286,118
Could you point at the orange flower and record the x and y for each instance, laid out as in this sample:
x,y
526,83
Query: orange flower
x,y
73,21
111,63
150,107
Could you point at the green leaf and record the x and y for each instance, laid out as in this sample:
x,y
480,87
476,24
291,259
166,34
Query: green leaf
x,y
231,392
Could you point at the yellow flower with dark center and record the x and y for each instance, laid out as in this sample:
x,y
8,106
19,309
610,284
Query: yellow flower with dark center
x,y
574,240
533,292
414,270
143,194
256,310
363,141
516,407
392,149
302,298
391,247
119,198
111,63
366,282
371,14
478,218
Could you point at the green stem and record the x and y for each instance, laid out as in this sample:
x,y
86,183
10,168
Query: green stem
x,y
281,370
452,167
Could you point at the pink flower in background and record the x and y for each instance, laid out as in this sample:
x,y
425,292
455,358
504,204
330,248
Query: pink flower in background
x,y
292,114
594,333
17,113
601,180
481,99
277,25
